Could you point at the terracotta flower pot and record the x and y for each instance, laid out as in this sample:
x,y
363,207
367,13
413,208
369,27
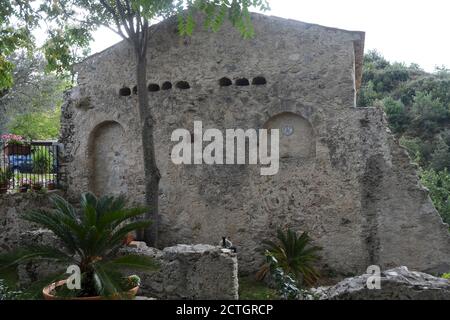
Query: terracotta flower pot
x,y
23,189
36,187
47,293
4,186
17,149
51,186
128,239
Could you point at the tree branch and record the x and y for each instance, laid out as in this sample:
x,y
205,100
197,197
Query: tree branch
x,y
118,31
123,17
116,19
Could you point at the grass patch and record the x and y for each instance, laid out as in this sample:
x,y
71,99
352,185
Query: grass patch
x,y
250,289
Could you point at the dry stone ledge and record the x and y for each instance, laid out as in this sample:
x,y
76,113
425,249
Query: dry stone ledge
x,y
396,284
12,206
191,272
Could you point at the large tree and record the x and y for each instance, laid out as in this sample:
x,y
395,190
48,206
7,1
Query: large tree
x,y
71,22
30,106
17,20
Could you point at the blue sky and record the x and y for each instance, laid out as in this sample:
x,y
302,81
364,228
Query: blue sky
x,y
402,30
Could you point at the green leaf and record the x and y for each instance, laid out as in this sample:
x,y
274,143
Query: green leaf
x,y
26,254
34,291
51,222
134,262
63,206
133,226
294,255
108,282
114,218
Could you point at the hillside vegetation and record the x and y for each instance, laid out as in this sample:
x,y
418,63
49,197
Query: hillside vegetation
x,y
417,105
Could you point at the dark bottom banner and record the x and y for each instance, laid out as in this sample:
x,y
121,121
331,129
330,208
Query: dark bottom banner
x,y
158,309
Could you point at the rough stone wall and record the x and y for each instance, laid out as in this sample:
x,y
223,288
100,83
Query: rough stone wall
x,y
11,207
343,177
399,225
101,153
192,272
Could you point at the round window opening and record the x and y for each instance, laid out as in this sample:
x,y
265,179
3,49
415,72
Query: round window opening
x,y
287,130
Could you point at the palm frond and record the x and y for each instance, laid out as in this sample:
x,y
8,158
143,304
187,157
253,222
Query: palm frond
x,y
26,254
89,214
295,255
115,218
108,204
52,223
120,233
34,291
134,261
63,206
9,262
88,199
109,282
10,276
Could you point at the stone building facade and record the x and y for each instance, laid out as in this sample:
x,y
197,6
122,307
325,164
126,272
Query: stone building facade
x,y
342,176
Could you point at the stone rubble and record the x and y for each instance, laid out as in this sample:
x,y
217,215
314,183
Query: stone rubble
x,y
396,284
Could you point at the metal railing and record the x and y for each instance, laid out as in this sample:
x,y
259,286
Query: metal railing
x,y
29,166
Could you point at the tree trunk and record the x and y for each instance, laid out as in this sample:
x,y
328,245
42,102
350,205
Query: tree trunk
x,y
151,171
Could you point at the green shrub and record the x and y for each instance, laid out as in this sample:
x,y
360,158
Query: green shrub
x,y
250,289
414,147
286,285
438,182
5,176
42,160
8,294
428,114
440,158
38,125
294,255
396,113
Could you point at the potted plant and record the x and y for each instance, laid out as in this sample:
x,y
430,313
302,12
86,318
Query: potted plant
x,y
51,185
5,176
42,160
25,185
130,284
15,145
36,185
90,238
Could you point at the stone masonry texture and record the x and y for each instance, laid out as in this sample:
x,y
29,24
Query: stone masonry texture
x,y
343,177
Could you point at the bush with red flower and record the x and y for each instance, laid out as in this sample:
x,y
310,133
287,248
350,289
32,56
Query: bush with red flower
x,y
12,139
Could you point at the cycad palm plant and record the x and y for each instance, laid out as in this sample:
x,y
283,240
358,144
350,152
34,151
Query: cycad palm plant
x,y
295,255
91,238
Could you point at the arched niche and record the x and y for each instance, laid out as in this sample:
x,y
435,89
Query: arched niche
x,y
297,139
107,154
